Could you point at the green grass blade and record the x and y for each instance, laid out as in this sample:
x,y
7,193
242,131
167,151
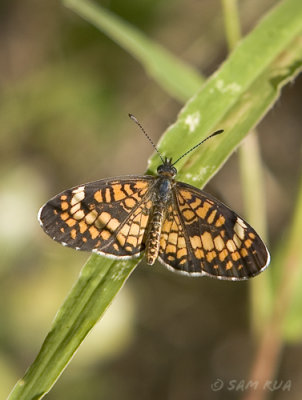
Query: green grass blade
x,y
237,96
98,284
175,76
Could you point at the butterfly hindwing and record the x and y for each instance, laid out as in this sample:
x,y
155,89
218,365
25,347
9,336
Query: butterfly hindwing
x,y
175,251
201,235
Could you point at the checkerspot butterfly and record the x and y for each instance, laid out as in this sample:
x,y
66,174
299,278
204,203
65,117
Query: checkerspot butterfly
x,y
186,229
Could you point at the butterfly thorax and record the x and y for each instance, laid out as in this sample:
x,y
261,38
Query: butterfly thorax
x,y
163,195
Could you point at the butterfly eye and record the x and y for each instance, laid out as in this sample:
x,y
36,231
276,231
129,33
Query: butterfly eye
x,y
160,169
174,170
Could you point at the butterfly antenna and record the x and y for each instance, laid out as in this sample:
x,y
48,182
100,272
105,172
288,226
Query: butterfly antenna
x,y
198,144
147,136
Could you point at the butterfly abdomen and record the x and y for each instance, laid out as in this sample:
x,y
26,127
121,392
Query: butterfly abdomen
x,y
163,196
153,239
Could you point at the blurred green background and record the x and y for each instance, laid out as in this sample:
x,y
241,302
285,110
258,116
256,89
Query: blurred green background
x,y
65,91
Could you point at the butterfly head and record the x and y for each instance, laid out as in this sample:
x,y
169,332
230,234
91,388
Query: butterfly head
x,y
167,169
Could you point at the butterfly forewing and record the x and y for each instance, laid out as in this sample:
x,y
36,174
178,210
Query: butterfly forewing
x,y
200,235
109,216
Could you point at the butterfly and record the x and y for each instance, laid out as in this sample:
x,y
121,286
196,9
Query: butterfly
x,y
183,227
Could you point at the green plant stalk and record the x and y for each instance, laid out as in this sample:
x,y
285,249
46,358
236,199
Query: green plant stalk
x,y
251,171
99,282
231,22
287,291
240,104
288,284
175,76
287,297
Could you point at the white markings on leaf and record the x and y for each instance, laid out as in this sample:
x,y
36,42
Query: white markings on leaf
x,y
192,121
231,88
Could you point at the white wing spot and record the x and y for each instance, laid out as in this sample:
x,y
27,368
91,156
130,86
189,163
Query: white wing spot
x,y
77,197
241,222
239,229
79,189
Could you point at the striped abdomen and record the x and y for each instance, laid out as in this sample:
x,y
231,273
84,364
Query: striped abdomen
x,y
153,240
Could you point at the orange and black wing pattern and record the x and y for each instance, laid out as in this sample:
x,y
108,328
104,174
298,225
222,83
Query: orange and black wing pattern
x,y
108,217
202,236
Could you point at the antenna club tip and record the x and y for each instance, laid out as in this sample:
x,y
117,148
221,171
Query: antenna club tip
x,y
217,132
132,117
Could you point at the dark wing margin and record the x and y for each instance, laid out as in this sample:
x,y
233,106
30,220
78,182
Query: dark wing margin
x,y
108,216
218,243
